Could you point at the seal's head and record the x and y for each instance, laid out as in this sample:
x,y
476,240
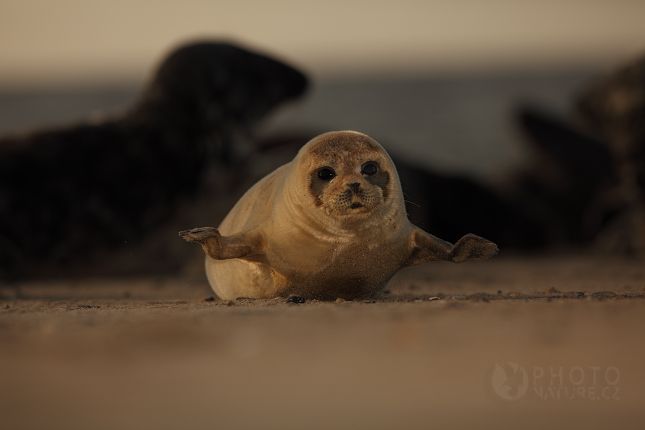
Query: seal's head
x,y
347,175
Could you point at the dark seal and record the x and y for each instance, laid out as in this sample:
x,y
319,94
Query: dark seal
x,y
68,193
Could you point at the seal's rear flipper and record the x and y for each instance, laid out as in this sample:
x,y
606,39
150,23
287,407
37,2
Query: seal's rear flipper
x,y
218,247
426,247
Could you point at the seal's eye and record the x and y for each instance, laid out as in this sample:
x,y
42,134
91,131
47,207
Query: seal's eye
x,y
369,169
326,174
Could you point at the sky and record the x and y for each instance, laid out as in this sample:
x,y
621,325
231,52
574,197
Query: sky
x,y
84,42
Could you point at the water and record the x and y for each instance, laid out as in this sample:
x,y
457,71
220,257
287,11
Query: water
x,y
460,123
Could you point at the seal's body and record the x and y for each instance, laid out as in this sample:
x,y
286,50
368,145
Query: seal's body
x,y
330,224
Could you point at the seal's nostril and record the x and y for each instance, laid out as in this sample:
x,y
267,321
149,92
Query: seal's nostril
x,y
355,186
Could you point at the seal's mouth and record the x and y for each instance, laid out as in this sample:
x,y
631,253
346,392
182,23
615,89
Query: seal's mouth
x,y
356,205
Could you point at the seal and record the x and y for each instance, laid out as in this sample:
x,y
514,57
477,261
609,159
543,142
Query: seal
x,y
329,224
612,109
74,195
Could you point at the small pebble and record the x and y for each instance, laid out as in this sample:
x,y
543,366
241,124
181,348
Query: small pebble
x,y
295,299
339,300
604,294
574,294
209,299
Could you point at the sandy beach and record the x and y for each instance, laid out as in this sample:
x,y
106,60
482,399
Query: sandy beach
x,y
434,351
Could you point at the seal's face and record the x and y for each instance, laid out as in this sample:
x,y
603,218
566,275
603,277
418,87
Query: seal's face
x,y
349,174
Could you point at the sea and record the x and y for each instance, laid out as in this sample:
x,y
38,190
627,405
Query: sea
x,y
463,122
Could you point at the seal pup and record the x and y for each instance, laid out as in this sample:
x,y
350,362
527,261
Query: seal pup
x,y
329,224
613,110
72,193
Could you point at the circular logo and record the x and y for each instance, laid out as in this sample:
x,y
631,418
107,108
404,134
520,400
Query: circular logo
x,y
510,381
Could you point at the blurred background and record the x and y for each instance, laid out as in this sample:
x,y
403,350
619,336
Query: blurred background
x,y
438,82
434,81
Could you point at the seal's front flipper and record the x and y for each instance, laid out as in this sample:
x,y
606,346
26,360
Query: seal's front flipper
x,y
473,247
426,247
208,237
218,247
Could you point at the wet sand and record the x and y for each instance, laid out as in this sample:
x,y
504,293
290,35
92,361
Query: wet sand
x,y
513,342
